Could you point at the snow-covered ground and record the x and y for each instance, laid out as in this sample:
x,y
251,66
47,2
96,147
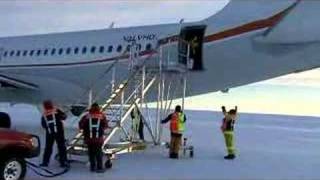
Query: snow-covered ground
x,y
269,147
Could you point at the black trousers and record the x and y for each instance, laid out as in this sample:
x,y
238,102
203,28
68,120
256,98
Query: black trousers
x,y
60,140
95,155
140,130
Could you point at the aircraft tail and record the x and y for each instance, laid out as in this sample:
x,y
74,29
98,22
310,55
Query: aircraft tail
x,y
238,12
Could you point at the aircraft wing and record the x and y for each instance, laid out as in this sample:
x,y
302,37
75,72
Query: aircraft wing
x,y
299,25
9,82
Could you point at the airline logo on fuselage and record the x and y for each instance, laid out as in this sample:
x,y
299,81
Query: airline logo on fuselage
x,y
140,37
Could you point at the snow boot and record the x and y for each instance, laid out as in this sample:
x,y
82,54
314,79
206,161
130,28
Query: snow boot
x,y
174,156
230,157
100,171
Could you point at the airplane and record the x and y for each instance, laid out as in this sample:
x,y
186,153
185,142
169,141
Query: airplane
x,y
245,42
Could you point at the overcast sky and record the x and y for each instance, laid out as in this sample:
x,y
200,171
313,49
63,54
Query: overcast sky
x,y
43,16
34,17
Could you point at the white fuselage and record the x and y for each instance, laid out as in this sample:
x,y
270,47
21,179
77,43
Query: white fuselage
x,y
236,51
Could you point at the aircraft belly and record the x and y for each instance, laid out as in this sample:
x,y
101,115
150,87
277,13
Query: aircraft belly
x,y
66,85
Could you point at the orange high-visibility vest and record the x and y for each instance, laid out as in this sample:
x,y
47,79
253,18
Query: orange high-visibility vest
x,y
177,122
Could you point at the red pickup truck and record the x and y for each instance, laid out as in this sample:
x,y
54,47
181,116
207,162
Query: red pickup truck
x,y
15,147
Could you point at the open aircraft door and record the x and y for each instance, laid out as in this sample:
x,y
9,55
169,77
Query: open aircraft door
x,y
194,35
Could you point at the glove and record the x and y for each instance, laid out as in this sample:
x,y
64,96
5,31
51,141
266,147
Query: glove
x,y
223,109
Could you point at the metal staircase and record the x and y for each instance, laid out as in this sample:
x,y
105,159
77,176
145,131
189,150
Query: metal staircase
x,y
126,96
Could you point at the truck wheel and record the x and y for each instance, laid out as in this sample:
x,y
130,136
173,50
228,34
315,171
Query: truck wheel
x,y
5,121
13,169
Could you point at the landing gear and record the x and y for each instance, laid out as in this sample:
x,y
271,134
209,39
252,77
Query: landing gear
x,y
5,120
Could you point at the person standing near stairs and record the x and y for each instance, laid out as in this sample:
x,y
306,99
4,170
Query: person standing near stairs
x,y
227,129
93,125
177,127
137,123
52,121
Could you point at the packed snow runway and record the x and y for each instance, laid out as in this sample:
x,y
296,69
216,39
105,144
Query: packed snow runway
x,y
269,147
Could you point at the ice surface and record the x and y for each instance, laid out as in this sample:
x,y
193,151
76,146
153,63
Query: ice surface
x,y
269,147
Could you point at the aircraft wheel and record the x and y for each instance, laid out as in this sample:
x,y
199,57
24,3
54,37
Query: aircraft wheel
x,y
5,120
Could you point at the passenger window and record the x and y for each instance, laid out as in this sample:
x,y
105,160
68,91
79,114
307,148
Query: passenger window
x,y
128,48
110,48
148,47
119,48
25,52
76,50
101,49
38,52
53,51
31,52
84,50
18,53
60,51
12,53
45,52
93,49
5,54
68,50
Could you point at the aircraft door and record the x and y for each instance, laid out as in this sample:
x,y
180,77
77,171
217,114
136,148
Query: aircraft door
x,y
194,35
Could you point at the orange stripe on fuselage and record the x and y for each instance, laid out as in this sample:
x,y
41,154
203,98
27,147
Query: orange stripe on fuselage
x,y
252,26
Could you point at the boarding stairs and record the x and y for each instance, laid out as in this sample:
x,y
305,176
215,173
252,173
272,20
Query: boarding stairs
x,y
127,95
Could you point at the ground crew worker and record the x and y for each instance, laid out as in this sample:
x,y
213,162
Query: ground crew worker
x,y
137,123
177,127
52,122
93,125
227,128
